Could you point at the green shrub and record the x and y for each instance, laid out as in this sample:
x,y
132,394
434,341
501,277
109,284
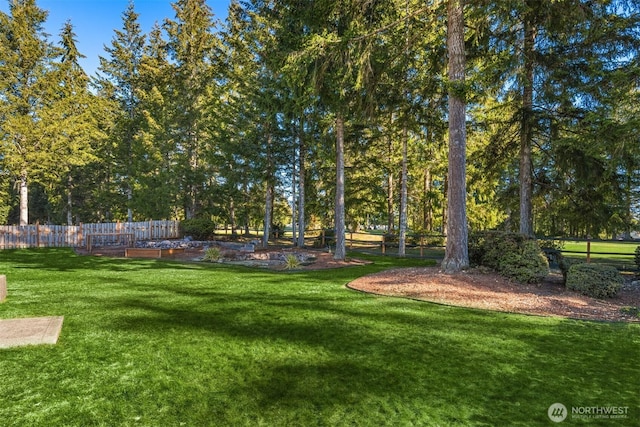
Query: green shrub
x,y
565,264
476,245
636,257
594,280
198,228
512,255
212,254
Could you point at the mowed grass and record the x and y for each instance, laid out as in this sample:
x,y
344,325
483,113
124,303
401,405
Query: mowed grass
x,y
619,254
162,343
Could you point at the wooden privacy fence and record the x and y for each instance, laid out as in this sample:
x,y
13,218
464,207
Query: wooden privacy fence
x,y
40,236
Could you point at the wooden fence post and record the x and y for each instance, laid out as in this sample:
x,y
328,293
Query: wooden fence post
x,y
588,249
383,246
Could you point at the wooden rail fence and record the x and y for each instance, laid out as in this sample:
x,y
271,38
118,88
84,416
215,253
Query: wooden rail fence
x,y
40,236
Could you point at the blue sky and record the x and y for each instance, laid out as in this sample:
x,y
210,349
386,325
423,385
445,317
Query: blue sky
x,y
95,20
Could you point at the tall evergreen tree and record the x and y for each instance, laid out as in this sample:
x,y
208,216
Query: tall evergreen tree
x,y
71,119
551,61
193,50
120,73
157,194
25,77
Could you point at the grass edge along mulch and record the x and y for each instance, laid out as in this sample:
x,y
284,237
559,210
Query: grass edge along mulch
x,y
155,342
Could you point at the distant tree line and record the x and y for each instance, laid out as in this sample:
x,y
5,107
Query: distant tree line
x,y
332,116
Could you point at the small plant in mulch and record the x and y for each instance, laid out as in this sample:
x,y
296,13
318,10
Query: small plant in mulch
x,y
291,262
212,255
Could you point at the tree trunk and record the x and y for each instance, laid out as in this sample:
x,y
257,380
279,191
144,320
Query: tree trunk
x,y
268,205
232,215
69,200
129,210
294,190
456,255
402,242
340,252
268,202
526,135
390,213
24,199
301,183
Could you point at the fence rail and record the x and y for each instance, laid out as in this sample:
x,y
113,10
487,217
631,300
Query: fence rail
x,y
39,236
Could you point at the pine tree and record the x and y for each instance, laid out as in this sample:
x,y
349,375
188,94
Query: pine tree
x,y
569,53
25,71
192,48
120,77
72,124
156,179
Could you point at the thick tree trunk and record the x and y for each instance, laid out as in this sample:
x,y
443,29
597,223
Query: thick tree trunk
x,y
526,134
340,252
456,255
24,199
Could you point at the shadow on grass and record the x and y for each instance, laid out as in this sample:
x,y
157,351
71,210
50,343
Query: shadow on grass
x,y
390,356
299,348
66,260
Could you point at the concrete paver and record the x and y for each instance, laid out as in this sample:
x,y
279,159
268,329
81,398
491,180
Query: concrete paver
x,y
30,331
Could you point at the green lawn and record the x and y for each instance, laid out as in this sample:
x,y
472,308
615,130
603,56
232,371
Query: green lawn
x,y
605,252
159,343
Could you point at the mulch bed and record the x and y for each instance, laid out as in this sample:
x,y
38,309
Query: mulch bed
x,y
490,291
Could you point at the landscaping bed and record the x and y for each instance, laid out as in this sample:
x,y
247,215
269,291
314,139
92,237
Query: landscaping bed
x,y
271,258
481,289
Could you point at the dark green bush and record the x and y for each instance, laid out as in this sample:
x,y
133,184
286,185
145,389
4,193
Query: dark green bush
x,y
512,255
565,264
594,280
198,228
636,257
